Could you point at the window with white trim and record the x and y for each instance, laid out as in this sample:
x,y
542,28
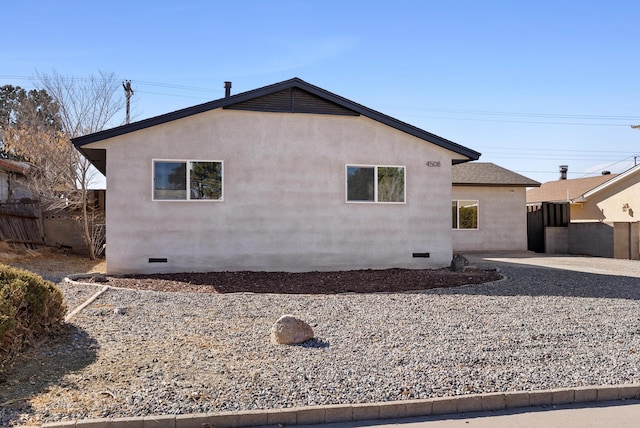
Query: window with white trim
x,y
371,183
187,180
464,214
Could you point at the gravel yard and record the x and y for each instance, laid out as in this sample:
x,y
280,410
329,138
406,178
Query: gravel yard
x,y
177,352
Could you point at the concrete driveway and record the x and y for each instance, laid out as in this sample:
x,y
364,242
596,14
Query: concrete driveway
x,y
597,265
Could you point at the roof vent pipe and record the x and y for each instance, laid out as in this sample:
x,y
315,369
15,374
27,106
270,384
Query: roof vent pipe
x,y
227,89
563,171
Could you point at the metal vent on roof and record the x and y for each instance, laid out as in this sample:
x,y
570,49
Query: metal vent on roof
x,y
292,100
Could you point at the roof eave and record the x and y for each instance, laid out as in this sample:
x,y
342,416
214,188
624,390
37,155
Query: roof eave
x,y
610,182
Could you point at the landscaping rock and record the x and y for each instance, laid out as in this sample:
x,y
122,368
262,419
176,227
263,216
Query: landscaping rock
x,y
99,277
289,330
458,263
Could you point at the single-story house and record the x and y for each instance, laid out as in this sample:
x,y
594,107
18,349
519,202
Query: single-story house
x,y
573,191
287,177
489,208
603,214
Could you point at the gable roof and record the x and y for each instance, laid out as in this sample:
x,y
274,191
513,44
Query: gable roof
x,y
566,190
290,96
488,174
618,177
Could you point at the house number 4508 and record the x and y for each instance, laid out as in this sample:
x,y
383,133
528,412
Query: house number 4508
x,y
433,164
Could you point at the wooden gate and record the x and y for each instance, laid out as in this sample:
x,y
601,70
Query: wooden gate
x,y
540,216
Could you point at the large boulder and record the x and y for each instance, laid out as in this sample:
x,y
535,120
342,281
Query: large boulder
x,y
289,330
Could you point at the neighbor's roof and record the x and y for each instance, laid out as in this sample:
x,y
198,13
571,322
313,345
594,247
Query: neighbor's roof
x,y
618,177
487,174
14,166
566,190
279,97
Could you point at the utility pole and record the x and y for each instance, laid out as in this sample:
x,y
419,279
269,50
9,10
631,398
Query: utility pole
x,y
635,158
127,93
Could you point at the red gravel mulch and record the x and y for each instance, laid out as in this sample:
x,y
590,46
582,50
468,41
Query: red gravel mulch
x,y
357,281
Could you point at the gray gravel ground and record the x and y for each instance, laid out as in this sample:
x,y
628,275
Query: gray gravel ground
x,y
176,353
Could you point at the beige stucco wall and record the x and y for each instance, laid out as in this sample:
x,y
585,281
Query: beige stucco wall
x,y
284,197
607,205
502,219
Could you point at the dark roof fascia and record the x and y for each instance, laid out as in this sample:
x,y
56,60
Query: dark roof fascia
x,y
143,124
292,83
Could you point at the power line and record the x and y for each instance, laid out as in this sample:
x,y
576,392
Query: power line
x,y
197,97
615,163
584,173
484,115
586,118
557,150
518,114
138,82
173,86
531,122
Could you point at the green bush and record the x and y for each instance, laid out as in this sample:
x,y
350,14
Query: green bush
x,y
30,307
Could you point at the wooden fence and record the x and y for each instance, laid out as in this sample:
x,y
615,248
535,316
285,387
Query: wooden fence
x,y
543,215
21,223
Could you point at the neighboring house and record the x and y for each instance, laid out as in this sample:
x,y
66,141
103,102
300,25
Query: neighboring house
x,y
603,214
571,191
20,216
23,221
288,177
489,208
12,181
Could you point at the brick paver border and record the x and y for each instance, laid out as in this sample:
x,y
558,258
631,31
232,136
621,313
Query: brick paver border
x,y
368,411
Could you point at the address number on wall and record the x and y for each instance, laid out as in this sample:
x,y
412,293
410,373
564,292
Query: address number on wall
x,y
433,164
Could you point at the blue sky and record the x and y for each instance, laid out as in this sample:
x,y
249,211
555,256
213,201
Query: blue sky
x,y
530,85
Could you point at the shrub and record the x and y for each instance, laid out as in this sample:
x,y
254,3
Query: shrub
x,y
30,307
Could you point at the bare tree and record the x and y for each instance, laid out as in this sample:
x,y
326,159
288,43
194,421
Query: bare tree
x,y
52,170
86,106
61,176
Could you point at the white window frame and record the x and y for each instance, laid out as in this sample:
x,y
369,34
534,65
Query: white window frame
x,y
375,184
188,180
457,201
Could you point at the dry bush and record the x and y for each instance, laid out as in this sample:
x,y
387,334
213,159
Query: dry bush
x,y
30,307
